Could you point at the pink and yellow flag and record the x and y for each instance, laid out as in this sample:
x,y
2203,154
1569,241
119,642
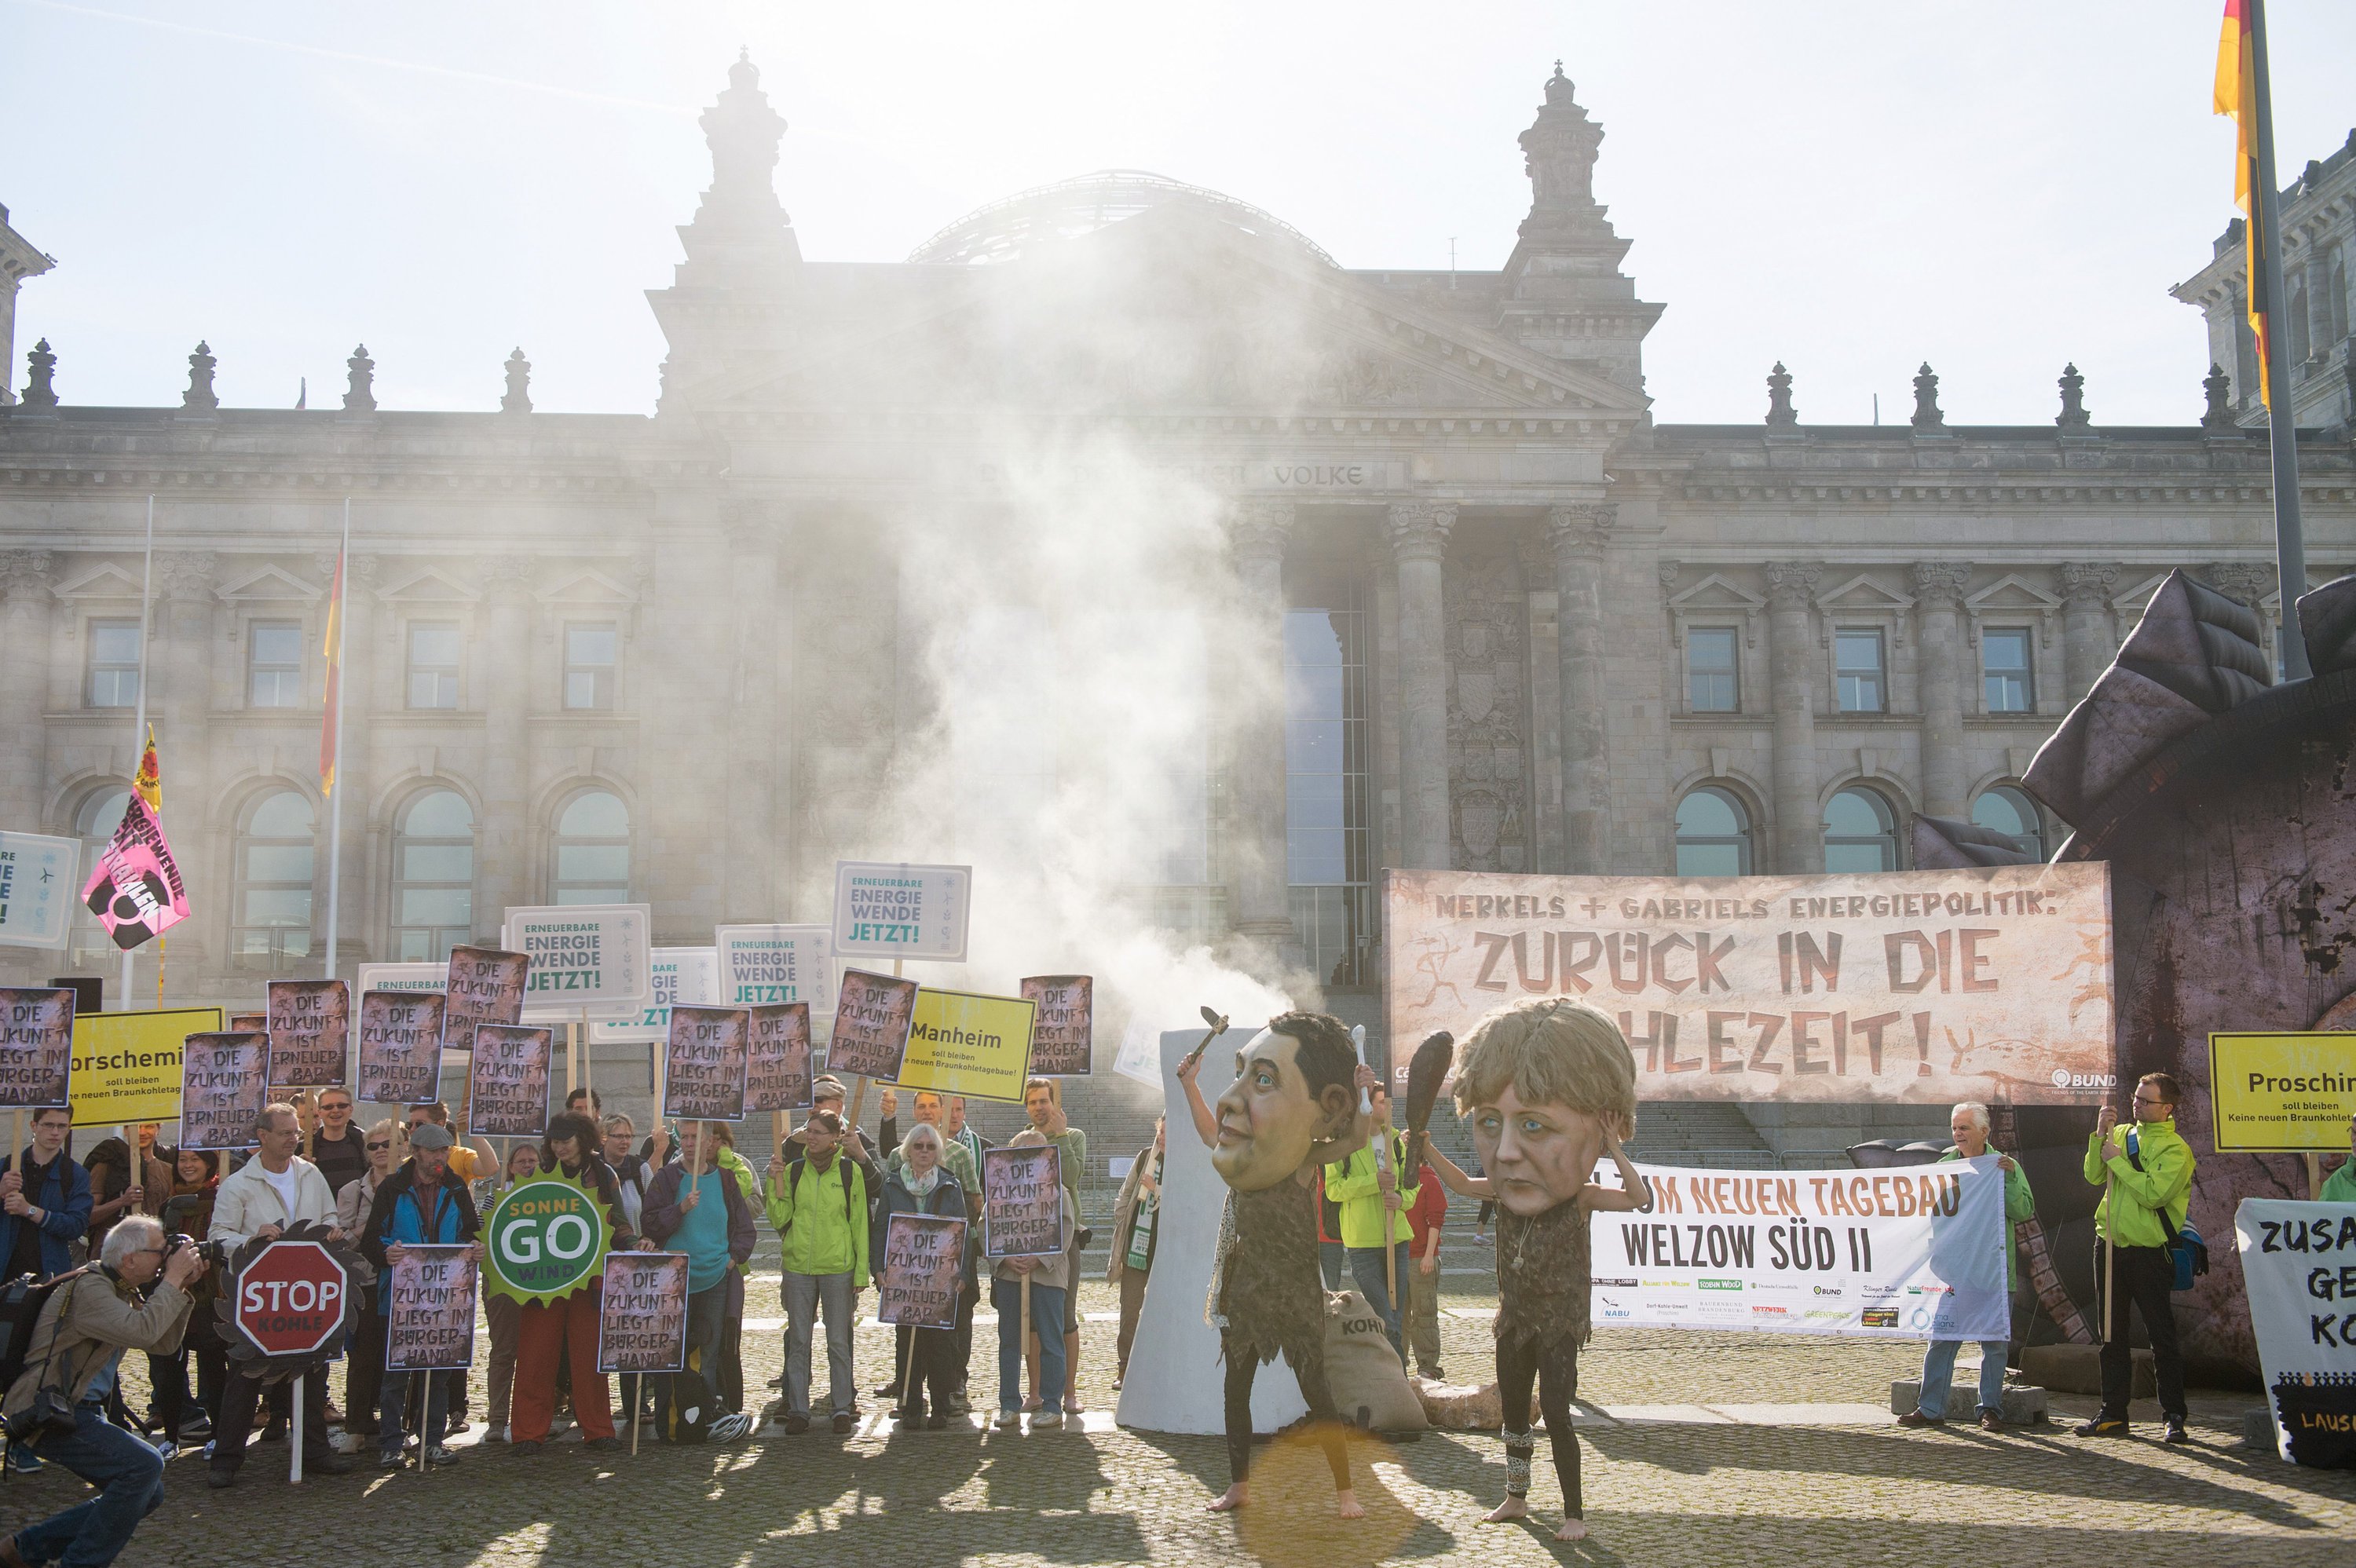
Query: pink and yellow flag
x,y
2236,95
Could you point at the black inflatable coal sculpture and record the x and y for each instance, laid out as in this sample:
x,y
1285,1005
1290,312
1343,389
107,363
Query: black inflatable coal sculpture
x,y
2226,805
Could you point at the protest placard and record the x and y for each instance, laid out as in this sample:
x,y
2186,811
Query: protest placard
x,y
507,1081
485,986
429,1319
224,1083
916,1279
434,978
1062,1034
642,1319
777,1058
240,1022
400,1047
545,1238
2281,1093
961,1043
887,911
1989,984
36,875
37,1027
1022,1203
2299,1262
127,1066
310,1022
761,965
690,974
596,958
872,1015
136,888
704,1064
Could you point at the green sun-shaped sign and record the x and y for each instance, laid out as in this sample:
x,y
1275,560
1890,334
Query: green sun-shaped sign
x,y
546,1238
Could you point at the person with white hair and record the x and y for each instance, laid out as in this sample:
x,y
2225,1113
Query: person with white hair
x,y
1969,1124
135,1297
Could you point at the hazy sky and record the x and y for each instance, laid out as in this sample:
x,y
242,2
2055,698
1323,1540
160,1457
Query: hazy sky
x,y
1850,188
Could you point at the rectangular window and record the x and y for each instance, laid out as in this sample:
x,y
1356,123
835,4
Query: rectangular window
x,y
1856,671
2003,662
433,664
273,665
589,666
114,664
1713,681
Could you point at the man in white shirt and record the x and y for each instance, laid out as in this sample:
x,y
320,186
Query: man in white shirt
x,y
277,1189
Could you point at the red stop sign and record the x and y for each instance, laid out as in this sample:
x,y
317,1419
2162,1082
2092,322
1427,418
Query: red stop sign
x,y
290,1300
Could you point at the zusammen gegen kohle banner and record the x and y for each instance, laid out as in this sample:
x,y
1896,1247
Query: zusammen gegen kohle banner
x,y
1922,987
1910,1253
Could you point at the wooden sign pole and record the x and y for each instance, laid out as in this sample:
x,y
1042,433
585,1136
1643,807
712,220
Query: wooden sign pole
x,y
637,1392
2314,1177
1025,1341
294,1437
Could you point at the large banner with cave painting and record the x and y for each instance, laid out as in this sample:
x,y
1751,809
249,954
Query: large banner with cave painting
x,y
1987,984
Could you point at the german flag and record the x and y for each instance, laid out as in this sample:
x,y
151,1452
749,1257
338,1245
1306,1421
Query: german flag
x,y
150,782
335,673
2237,95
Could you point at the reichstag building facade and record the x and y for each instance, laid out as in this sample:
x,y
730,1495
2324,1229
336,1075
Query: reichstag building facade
x,y
1523,626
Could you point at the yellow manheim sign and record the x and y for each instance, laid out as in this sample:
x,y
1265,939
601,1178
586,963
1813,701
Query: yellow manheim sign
x,y
961,1043
2282,1093
127,1066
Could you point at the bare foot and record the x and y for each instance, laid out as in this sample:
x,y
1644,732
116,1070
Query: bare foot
x,y
1572,1530
1233,1498
1511,1507
1346,1504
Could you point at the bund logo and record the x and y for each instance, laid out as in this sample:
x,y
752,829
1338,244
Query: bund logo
x,y
2065,1078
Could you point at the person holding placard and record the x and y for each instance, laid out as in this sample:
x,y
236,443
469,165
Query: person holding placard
x,y
2145,1172
1136,1217
699,1207
961,1162
422,1204
1042,1102
919,1183
565,1329
1969,1123
505,1315
1371,1200
45,1200
818,1204
1052,1276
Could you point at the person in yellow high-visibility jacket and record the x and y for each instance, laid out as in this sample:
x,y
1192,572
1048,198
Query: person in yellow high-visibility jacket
x,y
1374,1218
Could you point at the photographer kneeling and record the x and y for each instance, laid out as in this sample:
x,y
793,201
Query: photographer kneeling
x,y
57,1405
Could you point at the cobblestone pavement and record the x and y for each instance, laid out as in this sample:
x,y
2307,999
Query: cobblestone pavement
x,y
1657,1494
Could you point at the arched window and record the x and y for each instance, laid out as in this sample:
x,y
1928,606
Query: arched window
x,y
271,927
592,850
2298,324
94,825
1861,832
2009,812
432,877
1713,834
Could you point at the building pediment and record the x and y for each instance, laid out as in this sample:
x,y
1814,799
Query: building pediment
x,y
104,580
428,586
1168,312
269,581
2015,593
587,587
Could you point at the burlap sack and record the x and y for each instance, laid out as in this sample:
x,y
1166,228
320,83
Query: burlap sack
x,y
1370,1386
1461,1407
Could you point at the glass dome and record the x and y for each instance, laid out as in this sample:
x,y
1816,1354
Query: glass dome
x,y
1000,231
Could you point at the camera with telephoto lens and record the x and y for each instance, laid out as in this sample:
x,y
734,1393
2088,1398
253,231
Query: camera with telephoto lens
x,y
215,1253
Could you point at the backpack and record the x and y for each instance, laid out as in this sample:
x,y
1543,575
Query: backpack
x,y
684,1406
21,1300
2186,1250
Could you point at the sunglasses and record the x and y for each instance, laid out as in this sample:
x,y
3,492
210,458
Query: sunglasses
x,y
376,1144
342,1107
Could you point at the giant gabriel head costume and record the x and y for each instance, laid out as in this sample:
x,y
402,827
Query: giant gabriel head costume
x,y
1292,1093
1540,1080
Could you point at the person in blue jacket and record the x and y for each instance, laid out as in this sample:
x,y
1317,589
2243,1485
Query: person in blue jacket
x,y
422,1204
44,1194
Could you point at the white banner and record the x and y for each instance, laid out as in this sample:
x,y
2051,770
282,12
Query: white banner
x,y
767,965
886,911
1915,1253
593,956
1915,987
2299,1262
689,975
36,889
403,977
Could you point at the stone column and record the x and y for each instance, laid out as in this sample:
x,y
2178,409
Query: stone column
x,y
1578,535
180,676
1419,531
755,893
499,676
1791,687
1938,608
1257,533
23,686
2086,647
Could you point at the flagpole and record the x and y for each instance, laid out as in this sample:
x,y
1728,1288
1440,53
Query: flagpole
x,y
2282,424
342,611
139,718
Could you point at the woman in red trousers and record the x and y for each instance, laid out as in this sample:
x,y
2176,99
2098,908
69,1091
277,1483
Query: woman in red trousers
x,y
548,1333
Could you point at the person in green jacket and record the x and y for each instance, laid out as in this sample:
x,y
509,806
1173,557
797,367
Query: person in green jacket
x,y
2146,1172
1371,1221
818,1205
1969,1124
2339,1187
